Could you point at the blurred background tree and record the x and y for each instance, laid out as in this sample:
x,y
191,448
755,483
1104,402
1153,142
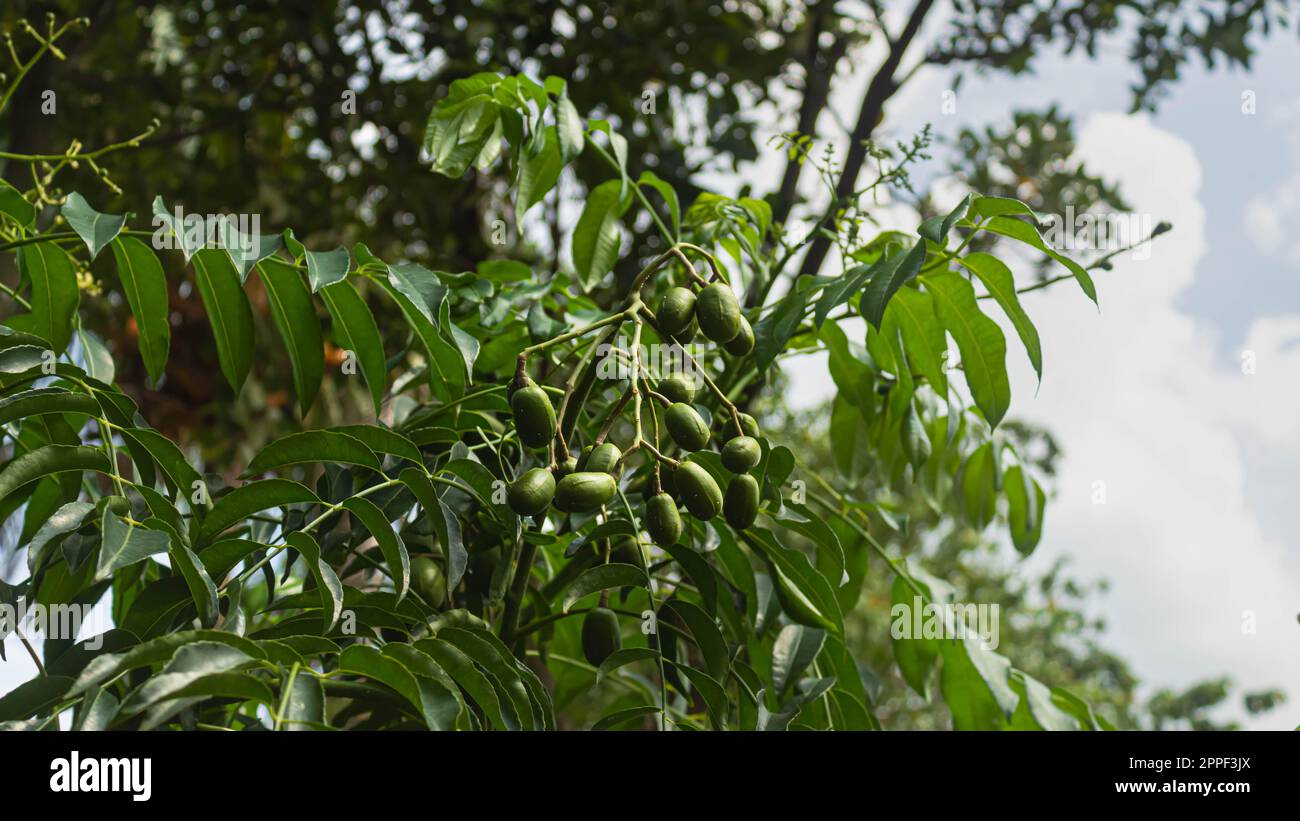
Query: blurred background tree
x,y
310,113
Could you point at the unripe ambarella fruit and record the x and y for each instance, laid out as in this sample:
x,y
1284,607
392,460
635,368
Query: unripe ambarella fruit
x,y
531,492
534,416
662,521
743,343
584,491
600,635
601,458
718,313
686,427
676,310
741,454
699,492
677,388
741,505
427,581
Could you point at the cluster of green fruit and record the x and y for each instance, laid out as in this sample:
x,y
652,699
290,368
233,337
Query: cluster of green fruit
x,y
585,483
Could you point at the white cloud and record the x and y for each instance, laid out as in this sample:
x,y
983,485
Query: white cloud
x,y
1141,400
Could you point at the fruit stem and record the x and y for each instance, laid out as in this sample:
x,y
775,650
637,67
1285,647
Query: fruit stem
x,y
722,397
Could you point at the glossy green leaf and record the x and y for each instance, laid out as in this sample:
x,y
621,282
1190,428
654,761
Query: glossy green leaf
x,y
887,277
1028,234
312,446
325,268
327,581
980,340
355,330
95,229
145,286
55,294
251,498
1026,504
295,317
47,461
390,544
125,544
228,311
603,577
1001,285
598,236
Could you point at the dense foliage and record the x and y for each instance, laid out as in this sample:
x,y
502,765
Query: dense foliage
x,y
381,574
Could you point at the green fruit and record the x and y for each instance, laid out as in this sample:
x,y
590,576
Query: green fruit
x,y
662,521
566,467
627,551
517,383
686,427
743,342
718,313
676,310
534,416
677,388
584,491
600,635
427,581
741,505
700,494
689,334
749,425
118,505
741,454
602,458
531,492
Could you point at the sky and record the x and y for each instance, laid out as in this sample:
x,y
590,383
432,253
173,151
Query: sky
x,y
1200,461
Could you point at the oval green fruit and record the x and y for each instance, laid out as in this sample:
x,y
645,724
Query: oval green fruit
x,y
662,521
699,492
534,416
749,425
741,454
718,313
531,492
686,427
627,551
584,491
677,388
743,342
427,581
566,467
676,310
689,334
741,505
600,635
602,458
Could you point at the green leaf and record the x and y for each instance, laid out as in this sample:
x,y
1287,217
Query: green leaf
x,y
327,581
189,236
446,362
715,698
14,206
95,229
382,440
477,684
915,654
602,577
912,311
936,229
445,523
312,446
619,717
246,250
253,497
706,635
1026,502
983,348
512,677
33,697
773,331
125,544
458,132
145,286
979,492
1001,285
104,668
975,685
1038,709
67,518
169,457
202,590
569,127
1028,234
49,460
795,648
356,331
435,704
228,311
325,268
598,236
294,316
670,198
622,658
390,544
305,705
55,294
39,401
889,275
539,171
